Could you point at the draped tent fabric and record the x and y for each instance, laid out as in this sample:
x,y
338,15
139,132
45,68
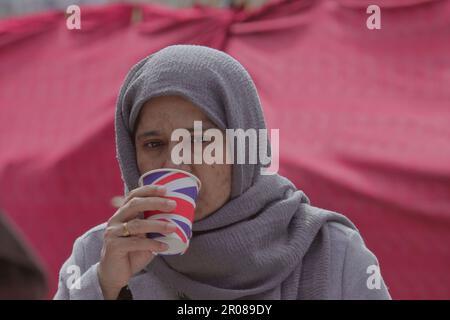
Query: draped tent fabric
x,y
363,117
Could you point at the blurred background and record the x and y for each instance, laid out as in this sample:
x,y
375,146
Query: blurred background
x,y
18,7
363,116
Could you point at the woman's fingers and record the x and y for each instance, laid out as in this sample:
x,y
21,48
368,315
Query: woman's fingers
x,y
123,246
139,227
145,191
137,204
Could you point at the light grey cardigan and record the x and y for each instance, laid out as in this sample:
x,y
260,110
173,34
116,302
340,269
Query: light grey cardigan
x,y
352,273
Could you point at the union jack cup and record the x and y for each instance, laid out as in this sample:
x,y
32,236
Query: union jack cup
x,y
182,187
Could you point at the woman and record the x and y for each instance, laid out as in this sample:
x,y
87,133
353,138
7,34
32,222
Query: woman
x,y
254,236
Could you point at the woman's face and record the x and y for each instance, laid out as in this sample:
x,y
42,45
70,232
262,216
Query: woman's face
x,y
157,119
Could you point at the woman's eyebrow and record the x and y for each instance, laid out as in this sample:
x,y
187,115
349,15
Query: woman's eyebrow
x,y
150,133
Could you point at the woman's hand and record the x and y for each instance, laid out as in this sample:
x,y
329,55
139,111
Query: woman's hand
x,y
121,256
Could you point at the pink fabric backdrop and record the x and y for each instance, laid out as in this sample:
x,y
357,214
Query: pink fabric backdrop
x,y
363,116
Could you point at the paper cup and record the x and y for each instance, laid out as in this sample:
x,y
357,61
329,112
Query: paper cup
x,y
182,187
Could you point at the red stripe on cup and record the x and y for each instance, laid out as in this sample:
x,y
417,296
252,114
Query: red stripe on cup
x,y
171,178
183,208
179,232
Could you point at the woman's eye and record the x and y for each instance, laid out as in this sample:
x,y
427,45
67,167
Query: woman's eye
x,y
152,144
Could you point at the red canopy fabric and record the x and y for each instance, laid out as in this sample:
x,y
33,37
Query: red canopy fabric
x,y
363,118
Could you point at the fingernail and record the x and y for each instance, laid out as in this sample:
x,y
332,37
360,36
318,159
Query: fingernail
x,y
171,202
161,188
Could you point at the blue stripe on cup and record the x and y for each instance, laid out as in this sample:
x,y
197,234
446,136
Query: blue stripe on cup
x,y
184,226
191,192
154,176
153,235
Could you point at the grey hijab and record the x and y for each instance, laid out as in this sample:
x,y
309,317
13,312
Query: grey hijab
x,y
267,241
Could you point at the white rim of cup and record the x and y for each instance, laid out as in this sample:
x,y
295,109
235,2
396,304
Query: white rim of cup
x,y
141,179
